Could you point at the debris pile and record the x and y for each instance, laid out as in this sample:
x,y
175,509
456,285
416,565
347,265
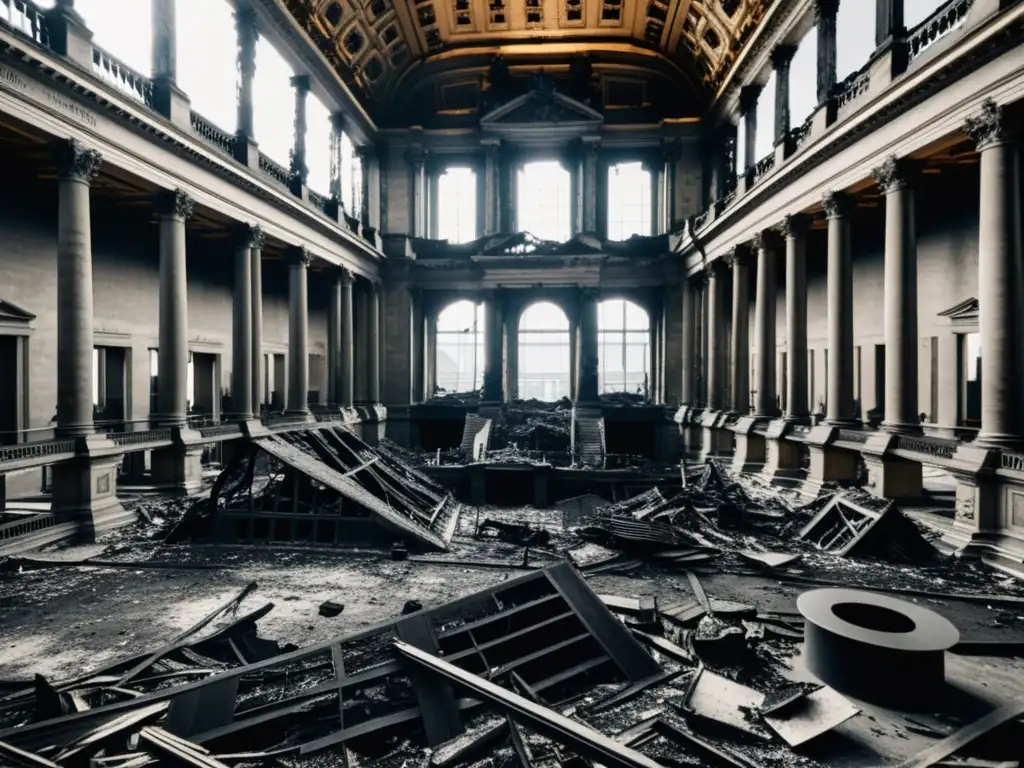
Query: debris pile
x,y
532,425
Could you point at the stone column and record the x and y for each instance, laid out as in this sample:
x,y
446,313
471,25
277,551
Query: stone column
x,y
588,190
588,392
507,188
748,110
492,182
825,12
369,164
782,57
888,21
715,302
337,183
168,99
430,355
241,336
839,409
297,167
901,338
739,347
247,33
334,339
417,159
797,400
574,358
256,255
670,153
374,345
298,332
687,394
172,355
512,359
346,351
765,398
492,392
999,279
77,168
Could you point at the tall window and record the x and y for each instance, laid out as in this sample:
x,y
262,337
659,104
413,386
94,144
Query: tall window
x,y
742,161
154,380
803,79
544,201
351,177
544,353
318,144
624,343
460,347
765,139
456,205
629,201
273,103
855,37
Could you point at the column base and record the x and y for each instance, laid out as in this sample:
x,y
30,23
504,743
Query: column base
x,y
893,478
828,464
782,457
716,440
749,455
373,422
178,469
86,487
977,501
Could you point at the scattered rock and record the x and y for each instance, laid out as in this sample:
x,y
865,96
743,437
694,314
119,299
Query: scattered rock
x,y
330,609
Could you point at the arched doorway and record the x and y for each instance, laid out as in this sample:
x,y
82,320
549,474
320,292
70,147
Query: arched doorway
x,y
460,347
544,353
623,347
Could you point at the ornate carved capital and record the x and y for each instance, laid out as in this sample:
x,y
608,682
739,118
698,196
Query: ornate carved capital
x,y
77,163
988,128
766,240
345,276
795,225
836,204
250,236
176,203
782,56
300,83
298,256
893,174
338,121
737,256
416,156
748,98
825,10
376,288
670,150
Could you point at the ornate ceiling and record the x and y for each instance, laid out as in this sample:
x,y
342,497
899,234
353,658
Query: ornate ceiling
x,y
380,46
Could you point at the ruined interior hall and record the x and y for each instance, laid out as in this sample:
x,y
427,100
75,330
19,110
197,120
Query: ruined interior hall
x,y
586,382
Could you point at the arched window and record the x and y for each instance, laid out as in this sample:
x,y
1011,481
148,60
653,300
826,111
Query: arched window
x,y
855,37
544,201
273,103
629,201
803,79
456,209
543,353
765,139
460,347
623,343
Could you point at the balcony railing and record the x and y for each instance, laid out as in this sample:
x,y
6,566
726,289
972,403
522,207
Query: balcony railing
x,y
764,167
142,437
943,21
212,134
276,171
41,450
850,90
798,135
1012,461
25,18
121,76
318,201
220,430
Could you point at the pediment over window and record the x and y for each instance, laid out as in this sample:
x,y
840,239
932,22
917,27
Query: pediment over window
x,y
964,313
542,112
12,313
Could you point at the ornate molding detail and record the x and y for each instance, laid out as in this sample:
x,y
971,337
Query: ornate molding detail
x,y
988,128
795,225
176,203
77,163
748,98
836,204
767,240
737,256
345,276
251,236
781,56
893,174
298,256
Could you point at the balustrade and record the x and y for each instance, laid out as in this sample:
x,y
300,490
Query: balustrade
x,y
40,450
114,71
212,134
275,170
27,19
943,21
848,92
1012,461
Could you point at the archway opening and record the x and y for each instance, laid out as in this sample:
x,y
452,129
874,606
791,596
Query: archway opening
x,y
544,201
623,347
460,347
544,353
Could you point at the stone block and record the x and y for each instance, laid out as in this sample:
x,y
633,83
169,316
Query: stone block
x,y
178,469
890,477
829,465
749,455
87,488
782,456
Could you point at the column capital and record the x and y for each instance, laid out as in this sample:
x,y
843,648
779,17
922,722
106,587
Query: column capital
x,y
590,294
782,56
836,204
825,9
298,256
338,121
176,203
416,156
301,83
670,150
367,152
748,97
989,127
737,256
250,236
75,162
894,173
345,276
795,225
766,240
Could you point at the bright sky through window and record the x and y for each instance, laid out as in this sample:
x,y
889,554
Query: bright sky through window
x,y
803,79
543,353
623,338
629,201
456,205
460,347
544,200
765,141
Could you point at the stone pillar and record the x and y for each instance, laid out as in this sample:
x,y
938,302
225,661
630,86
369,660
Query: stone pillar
x,y
77,168
748,110
241,330
172,355
687,394
369,163
765,398
334,339
337,208
373,362
901,338
507,188
247,33
492,182
346,347
168,99
825,12
574,358
588,392
888,21
715,303
512,359
417,159
430,355
797,398
297,167
492,392
256,239
782,57
670,156
999,279
588,189
739,347
840,407
298,332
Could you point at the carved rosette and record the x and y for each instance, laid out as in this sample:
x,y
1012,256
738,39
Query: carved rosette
x,y
298,256
77,163
988,128
893,174
836,205
795,225
175,203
